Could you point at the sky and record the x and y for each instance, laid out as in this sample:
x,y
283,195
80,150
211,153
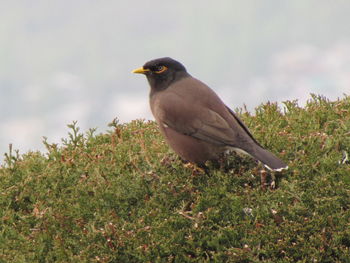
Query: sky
x,y
64,61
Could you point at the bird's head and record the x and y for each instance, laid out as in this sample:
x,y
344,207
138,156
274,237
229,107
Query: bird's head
x,y
162,72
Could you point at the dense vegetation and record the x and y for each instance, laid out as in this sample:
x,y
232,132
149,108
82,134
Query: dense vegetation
x,y
123,196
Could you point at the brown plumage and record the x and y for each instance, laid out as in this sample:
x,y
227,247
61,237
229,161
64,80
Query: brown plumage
x,y
196,124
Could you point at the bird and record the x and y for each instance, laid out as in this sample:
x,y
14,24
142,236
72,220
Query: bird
x,y
194,121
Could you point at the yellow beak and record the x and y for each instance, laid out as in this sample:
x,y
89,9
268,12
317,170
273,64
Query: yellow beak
x,y
140,70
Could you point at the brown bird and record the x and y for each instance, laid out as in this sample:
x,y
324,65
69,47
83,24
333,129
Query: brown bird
x,y
196,124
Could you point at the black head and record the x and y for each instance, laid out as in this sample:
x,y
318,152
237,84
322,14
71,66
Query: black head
x,y
162,72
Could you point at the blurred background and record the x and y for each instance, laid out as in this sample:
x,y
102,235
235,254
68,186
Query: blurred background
x,y
71,60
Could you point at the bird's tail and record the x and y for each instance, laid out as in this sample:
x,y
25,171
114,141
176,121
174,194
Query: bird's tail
x,y
269,159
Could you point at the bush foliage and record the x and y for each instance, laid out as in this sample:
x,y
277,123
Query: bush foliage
x,y
123,196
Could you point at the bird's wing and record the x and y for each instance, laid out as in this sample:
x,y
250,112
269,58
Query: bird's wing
x,y
193,120
211,127
242,125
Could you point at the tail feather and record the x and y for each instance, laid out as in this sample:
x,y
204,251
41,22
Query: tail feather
x,y
270,161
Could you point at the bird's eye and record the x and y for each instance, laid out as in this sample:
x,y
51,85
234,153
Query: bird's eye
x,y
160,69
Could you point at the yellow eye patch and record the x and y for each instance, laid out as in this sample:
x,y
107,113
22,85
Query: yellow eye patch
x,y
160,69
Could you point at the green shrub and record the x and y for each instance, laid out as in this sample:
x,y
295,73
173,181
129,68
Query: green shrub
x,y
123,196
